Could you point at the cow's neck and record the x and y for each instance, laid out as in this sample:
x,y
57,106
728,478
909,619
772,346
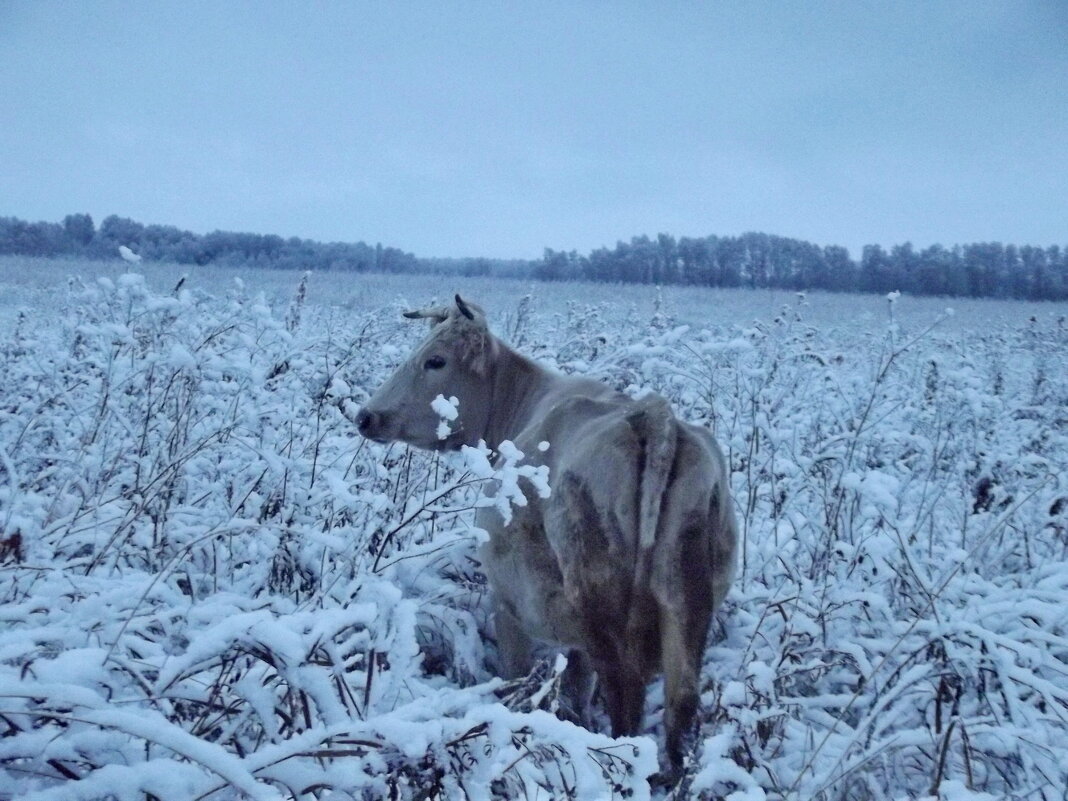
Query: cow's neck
x,y
518,384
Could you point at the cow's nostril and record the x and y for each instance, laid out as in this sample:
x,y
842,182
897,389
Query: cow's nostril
x,y
363,421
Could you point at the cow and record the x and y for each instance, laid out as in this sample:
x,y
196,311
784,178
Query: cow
x,y
626,560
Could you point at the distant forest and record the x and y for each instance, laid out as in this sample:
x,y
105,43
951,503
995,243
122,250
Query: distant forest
x,y
989,269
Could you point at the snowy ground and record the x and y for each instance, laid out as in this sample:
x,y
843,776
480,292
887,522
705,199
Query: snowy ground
x,y
212,589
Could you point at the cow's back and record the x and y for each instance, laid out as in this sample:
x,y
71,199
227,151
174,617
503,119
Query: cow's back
x,y
581,546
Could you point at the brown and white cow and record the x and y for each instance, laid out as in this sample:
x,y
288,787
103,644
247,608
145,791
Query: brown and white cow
x,y
628,558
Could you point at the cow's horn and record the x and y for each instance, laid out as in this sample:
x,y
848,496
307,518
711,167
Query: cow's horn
x,y
437,314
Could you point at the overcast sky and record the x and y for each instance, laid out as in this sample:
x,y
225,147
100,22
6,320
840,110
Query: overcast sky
x,y
497,129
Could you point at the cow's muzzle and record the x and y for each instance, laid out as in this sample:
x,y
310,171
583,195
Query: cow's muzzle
x,y
371,424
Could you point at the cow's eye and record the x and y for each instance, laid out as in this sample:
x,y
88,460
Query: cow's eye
x,y
434,363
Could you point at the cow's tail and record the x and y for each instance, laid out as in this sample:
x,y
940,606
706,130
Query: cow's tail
x,y
659,434
657,430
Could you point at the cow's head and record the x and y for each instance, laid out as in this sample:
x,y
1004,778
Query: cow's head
x,y
455,360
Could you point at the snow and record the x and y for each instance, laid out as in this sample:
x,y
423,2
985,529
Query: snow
x,y
447,409
210,586
128,255
181,359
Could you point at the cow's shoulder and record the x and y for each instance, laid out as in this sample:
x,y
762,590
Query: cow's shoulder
x,y
564,418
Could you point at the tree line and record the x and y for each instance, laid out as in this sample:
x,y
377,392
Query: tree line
x,y
988,269
755,260
77,236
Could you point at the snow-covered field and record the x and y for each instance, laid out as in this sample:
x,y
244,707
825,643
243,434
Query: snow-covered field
x,y
212,588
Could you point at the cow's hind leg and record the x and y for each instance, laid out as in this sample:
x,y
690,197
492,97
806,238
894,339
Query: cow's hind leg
x,y
623,688
685,614
598,587
682,668
619,675
576,686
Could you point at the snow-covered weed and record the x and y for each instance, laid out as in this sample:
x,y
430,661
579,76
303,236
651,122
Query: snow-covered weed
x,y
896,625
211,588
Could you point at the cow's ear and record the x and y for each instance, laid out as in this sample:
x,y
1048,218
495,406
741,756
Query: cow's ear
x,y
469,313
465,310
